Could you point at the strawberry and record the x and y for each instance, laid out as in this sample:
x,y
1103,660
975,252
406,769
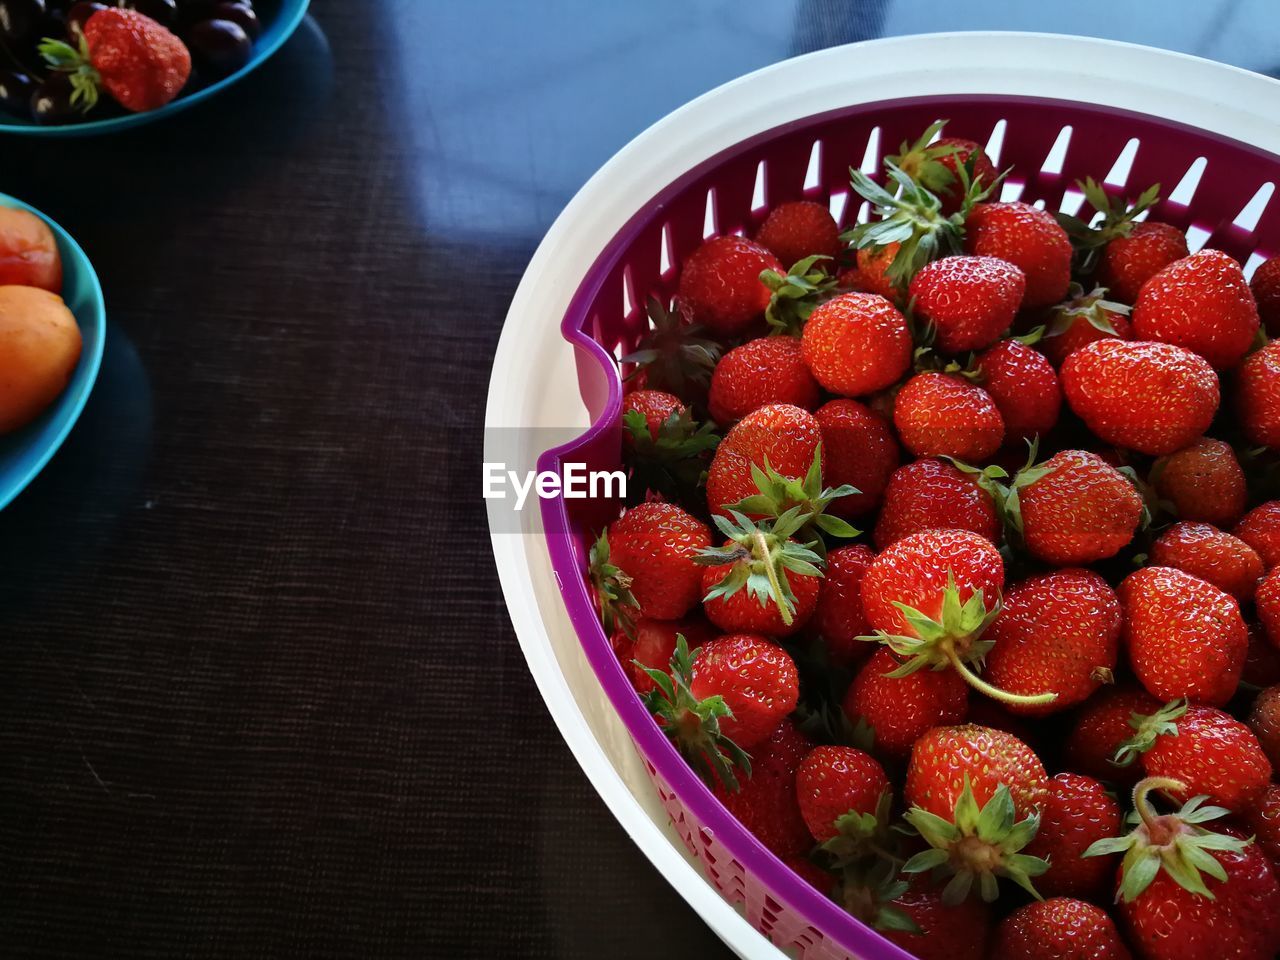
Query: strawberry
x,y
1059,632
1185,636
655,644
1081,320
137,61
1028,238
654,406
966,785
873,272
1203,481
834,782
1024,387
766,802
1151,397
1127,263
1210,753
757,680
800,229
860,450
721,284
1264,721
1102,726
1206,552
856,344
1060,929
838,616
967,301
1185,893
901,709
1202,303
782,435
1074,508
673,355
1260,529
808,871
1258,396
760,372
925,494
1264,823
945,931
1266,293
654,544
935,165
665,449
938,414
1077,812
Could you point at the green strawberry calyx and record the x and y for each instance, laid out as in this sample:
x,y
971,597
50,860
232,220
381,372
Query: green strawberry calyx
x,y
1147,729
673,355
978,845
796,295
694,724
868,891
1175,843
861,834
673,463
759,556
776,494
1118,218
77,63
612,586
1093,307
922,160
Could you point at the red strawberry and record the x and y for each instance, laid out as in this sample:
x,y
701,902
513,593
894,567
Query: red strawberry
x,y
1060,929
925,494
1203,481
1024,387
721,285
762,371
850,281
655,644
784,435
1077,812
901,709
652,549
1185,636
873,266
943,758
833,782
947,931
1082,320
935,165
1075,508
938,414
1260,529
856,344
1261,664
1129,262
1264,721
1264,823
136,60
1206,552
757,679
765,802
1151,397
800,229
839,618
968,301
1201,303
860,450
1031,240
654,405
1101,727
1266,293
1258,396
1059,632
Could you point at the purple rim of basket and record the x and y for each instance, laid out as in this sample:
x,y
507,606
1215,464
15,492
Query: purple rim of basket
x,y
784,884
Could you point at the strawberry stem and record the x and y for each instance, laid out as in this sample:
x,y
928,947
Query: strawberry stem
x,y
765,556
1142,800
1004,696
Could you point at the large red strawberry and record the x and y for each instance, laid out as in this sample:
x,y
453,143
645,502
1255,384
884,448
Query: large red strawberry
x,y
1185,636
757,680
1059,929
1264,821
761,371
967,301
1128,262
1025,388
1266,293
1074,508
799,229
833,782
928,493
720,283
860,451
945,757
785,436
650,552
1201,303
765,802
1260,529
136,60
1029,238
1076,813
901,709
1060,632
654,645
1206,552
1081,320
1264,721
941,415
1203,481
1151,397
1258,396
838,617
856,344
935,164
1102,726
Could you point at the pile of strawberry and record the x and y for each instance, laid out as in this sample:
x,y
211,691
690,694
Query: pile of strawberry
x,y
881,705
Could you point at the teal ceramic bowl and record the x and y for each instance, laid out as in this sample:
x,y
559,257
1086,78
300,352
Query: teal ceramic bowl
x,y
280,18
24,454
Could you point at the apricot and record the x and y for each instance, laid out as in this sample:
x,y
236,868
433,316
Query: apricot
x,y
39,349
28,251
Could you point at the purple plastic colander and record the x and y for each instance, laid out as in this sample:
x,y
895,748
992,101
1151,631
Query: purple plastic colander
x,y
1213,187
